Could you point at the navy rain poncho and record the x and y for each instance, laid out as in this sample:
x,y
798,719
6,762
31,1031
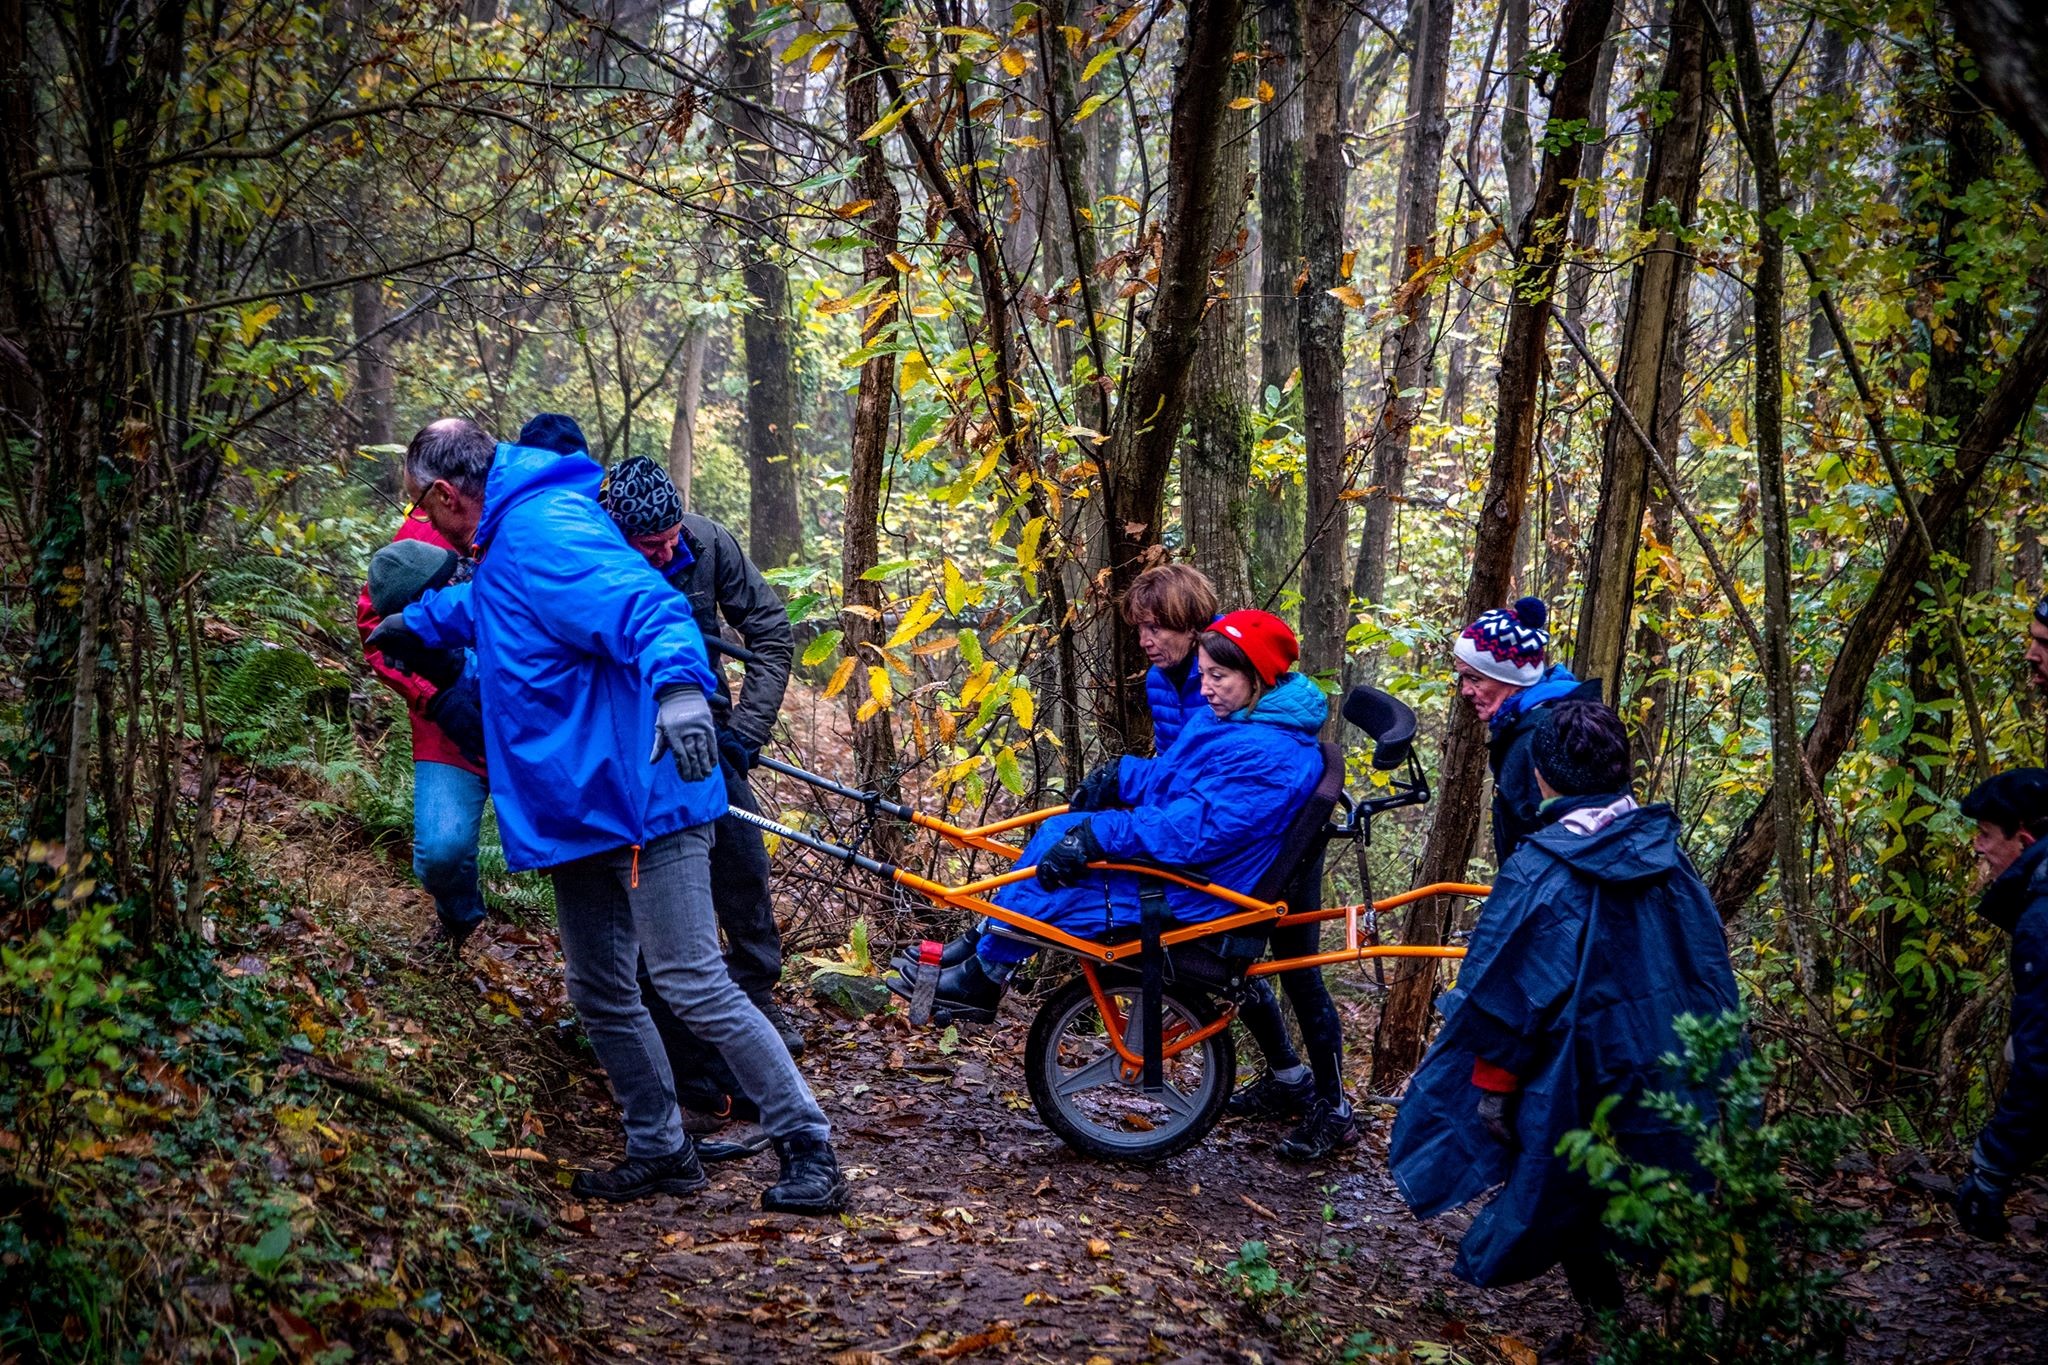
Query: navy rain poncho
x,y
1588,948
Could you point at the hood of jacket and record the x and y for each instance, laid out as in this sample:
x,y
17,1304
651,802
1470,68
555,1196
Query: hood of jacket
x,y
2006,899
1636,846
522,472
1557,683
1295,703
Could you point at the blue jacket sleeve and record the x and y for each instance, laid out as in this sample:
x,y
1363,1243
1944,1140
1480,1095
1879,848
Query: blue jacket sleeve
x,y
442,619
1207,820
2017,1135
593,592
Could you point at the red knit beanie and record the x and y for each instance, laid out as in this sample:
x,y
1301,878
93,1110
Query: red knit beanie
x,y
1265,640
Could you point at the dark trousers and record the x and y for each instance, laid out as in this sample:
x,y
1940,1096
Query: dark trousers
x,y
753,950
1322,1032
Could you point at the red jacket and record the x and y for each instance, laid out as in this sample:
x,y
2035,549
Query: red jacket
x,y
429,744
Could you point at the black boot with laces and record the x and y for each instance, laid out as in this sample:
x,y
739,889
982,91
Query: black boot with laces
x,y
1271,1098
1330,1126
810,1181
638,1176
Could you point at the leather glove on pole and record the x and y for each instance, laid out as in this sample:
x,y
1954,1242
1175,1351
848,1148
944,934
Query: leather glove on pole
x,y
1980,1204
1098,791
1066,862
683,727
400,644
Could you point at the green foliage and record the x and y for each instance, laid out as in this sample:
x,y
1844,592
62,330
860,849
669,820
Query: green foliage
x,y
1742,1269
1255,1279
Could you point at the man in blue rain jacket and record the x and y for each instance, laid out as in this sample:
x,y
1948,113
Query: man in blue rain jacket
x,y
586,656
1597,935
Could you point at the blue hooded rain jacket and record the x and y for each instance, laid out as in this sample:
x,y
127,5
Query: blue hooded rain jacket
x,y
1588,948
1218,804
1174,702
574,635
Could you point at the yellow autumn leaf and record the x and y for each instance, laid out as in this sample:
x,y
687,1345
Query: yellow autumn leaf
x,y
1348,295
1243,102
824,57
956,587
1265,92
887,121
915,620
840,677
1023,706
1096,63
879,686
1013,60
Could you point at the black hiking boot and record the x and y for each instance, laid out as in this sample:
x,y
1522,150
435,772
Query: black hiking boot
x,y
440,945
784,1030
951,954
637,1177
1328,1128
810,1182
966,995
1272,1099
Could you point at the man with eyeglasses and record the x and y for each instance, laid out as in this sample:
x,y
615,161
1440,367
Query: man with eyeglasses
x,y
2037,644
1503,668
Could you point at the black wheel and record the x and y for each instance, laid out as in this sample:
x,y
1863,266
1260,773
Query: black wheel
x,y
1085,1093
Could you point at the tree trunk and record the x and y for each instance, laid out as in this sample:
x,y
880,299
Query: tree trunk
x,y
1216,462
1320,323
2011,45
1582,27
874,741
1890,605
774,515
1517,153
1759,132
370,404
1147,424
682,434
1651,328
1277,514
1405,356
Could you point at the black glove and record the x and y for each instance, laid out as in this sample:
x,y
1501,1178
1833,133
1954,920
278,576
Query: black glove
x,y
1099,790
459,711
738,750
408,653
1980,1204
683,727
1066,862
1494,1110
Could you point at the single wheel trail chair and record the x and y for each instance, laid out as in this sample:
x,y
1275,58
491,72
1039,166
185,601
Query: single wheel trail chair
x,y
1134,1059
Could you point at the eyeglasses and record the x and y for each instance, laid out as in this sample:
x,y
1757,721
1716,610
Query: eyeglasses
x,y
2041,611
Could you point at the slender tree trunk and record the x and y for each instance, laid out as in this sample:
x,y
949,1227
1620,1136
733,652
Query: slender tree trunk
x,y
874,741
682,434
1154,400
1652,325
2011,45
1517,152
1767,294
1405,356
1591,209
1216,462
1278,512
774,514
1582,27
1324,600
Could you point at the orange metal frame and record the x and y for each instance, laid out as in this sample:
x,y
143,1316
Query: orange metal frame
x,y
973,896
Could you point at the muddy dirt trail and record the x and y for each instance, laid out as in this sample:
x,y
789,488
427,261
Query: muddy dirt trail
x,y
974,1234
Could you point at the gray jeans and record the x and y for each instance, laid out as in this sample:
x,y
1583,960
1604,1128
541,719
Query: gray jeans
x,y
607,924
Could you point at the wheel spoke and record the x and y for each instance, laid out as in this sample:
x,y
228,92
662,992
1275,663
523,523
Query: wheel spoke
x,y
1176,1099
1104,1070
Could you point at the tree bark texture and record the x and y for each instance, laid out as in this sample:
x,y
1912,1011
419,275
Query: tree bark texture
x,y
1890,605
1320,323
1517,151
774,513
1659,285
1767,300
1405,356
1582,27
682,433
1216,461
1147,423
2011,45
1277,513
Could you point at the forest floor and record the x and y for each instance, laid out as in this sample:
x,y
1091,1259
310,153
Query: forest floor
x,y
974,1234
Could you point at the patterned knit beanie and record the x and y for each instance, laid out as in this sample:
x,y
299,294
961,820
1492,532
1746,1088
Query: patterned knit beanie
x,y
641,498
1508,644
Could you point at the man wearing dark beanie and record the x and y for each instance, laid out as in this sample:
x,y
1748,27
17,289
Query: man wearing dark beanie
x,y
2011,811
1503,671
1598,935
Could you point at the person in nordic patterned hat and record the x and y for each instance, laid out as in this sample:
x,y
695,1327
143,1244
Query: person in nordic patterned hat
x,y
1503,668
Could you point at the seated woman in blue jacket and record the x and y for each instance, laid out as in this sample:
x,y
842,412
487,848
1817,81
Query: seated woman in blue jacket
x,y
1216,805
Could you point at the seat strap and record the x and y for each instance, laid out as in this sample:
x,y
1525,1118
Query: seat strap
x,y
1152,983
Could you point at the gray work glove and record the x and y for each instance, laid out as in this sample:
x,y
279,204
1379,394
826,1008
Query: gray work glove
x,y
683,727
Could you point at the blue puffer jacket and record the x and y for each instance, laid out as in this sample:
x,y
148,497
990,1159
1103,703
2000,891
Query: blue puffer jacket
x,y
574,635
1588,948
1173,703
1217,805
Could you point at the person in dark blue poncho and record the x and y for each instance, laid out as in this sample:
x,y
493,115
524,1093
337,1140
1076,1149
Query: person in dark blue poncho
x,y
1597,935
2011,811
1503,668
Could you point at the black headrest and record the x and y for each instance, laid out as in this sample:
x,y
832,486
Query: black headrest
x,y
1388,720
